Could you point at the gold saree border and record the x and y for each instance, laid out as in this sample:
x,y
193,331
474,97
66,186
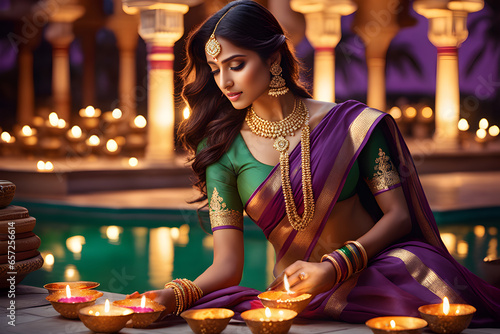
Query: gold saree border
x,y
355,137
264,195
338,300
425,276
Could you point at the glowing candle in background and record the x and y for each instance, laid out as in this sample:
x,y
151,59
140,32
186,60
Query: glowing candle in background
x,y
483,123
140,122
494,130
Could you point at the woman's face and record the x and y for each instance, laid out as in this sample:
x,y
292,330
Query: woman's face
x,y
240,74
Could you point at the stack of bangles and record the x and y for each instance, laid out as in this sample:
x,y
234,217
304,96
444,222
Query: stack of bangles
x,y
347,260
186,293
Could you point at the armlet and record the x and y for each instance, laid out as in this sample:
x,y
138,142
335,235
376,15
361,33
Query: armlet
x,y
386,176
221,217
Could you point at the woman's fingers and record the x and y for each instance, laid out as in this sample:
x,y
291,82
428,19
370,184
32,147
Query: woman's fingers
x,y
133,295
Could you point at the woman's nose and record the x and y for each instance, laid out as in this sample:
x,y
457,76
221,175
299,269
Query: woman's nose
x,y
226,81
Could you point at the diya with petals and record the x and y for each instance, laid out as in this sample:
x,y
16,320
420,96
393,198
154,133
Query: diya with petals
x,y
105,318
446,317
269,320
146,311
68,302
208,320
396,324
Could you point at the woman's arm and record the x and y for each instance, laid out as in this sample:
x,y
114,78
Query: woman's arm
x,y
227,267
394,224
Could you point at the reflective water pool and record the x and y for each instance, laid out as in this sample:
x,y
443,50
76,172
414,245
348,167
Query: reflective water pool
x,y
127,251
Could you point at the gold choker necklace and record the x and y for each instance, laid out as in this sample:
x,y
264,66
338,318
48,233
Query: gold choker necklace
x,y
278,130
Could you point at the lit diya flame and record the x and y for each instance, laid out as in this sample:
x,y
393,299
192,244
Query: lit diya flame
x,y
287,285
393,324
446,306
106,306
143,301
267,312
68,291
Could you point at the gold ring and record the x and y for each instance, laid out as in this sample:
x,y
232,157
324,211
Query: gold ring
x,y
302,276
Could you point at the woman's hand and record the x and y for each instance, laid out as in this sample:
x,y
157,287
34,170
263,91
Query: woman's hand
x,y
306,277
164,297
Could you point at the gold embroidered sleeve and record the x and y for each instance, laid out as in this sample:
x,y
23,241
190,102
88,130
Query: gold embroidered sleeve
x,y
385,177
221,217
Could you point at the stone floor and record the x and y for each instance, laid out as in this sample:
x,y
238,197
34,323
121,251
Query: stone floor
x,y
34,314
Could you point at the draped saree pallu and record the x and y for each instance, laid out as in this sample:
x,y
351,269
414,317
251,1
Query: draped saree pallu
x,y
417,270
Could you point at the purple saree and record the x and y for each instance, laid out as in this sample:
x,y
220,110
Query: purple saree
x,y
415,271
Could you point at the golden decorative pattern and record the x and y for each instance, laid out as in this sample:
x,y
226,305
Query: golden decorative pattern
x,y
279,129
426,276
385,176
220,215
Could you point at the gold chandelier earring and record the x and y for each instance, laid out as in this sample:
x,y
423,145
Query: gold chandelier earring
x,y
277,86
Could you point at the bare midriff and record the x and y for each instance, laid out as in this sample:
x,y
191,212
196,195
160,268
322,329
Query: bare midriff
x,y
348,221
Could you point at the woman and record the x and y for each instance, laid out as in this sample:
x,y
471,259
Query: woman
x,y
332,186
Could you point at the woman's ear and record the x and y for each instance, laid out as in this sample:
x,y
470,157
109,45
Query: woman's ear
x,y
276,57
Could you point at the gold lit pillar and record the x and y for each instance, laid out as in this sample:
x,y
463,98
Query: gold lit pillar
x,y
376,23
161,25
323,32
59,33
447,31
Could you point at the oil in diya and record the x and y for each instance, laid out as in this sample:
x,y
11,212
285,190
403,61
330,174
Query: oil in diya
x,y
145,310
69,302
285,299
446,317
105,318
396,324
269,320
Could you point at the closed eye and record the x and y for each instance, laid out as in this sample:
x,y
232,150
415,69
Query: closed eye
x,y
239,67
215,72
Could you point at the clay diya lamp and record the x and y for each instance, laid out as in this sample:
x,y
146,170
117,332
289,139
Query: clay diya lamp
x,y
145,310
285,299
208,320
396,324
61,286
68,302
446,317
269,320
105,318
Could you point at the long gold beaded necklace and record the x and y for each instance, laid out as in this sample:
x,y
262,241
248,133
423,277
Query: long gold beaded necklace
x,y
278,130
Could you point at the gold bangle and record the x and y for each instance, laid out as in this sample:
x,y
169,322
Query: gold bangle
x,y
362,250
348,263
336,266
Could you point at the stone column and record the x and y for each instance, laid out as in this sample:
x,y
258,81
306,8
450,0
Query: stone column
x,y
376,23
59,33
323,32
125,28
447,31
86,28
161,25
25,87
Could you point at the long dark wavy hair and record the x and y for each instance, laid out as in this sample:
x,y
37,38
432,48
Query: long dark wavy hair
x,y
250,26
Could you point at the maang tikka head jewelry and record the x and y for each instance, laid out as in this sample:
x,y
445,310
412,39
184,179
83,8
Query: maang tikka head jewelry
x,y
213,46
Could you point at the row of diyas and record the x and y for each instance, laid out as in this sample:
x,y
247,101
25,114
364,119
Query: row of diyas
x,y
440,318
77,301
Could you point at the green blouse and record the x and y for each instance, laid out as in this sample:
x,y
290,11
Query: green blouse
x,y
233,179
